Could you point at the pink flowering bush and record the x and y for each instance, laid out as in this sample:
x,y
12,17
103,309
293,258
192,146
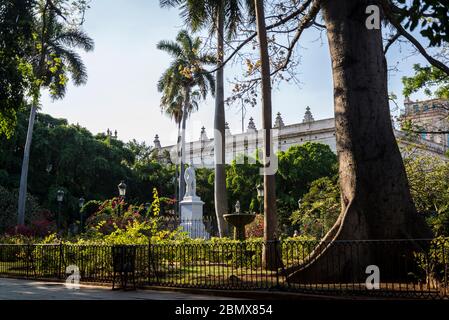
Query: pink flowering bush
x,y
255,228
41,226
114,214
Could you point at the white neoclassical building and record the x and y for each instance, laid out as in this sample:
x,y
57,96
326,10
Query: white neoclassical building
x,y
201,151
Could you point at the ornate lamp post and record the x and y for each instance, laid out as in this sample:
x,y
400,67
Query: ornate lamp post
x,y
59,198
81,204
122,189
122,193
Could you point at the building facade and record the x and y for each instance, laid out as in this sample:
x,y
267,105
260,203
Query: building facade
x,y
429,117
201,151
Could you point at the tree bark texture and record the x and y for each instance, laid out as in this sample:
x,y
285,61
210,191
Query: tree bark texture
x,y
375,197
220,195
25,165
182,183
270,217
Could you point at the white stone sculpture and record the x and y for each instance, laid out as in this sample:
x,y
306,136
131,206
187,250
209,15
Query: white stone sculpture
x,y
189,176
192,208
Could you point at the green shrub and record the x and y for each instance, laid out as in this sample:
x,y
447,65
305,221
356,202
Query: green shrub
x,y
8,209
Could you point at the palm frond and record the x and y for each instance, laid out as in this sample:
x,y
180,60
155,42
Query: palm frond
x,y
208,59
74,63
58,88
171,48
169,3
75,39
211,80
184,39
194,13
233,13
250,10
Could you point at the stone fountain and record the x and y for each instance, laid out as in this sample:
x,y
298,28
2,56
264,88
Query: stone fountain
x,y
239,221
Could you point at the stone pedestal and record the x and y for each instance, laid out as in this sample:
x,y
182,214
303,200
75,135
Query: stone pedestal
x,y
192,217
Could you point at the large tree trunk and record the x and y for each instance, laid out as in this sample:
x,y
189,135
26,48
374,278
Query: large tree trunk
x,y
182,183
270,218
25,165
376,202
220,196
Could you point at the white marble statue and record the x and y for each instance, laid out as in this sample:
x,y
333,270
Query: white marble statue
x,y
189,176
192,208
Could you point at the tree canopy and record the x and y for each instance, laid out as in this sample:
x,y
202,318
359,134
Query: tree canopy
x,y
69,157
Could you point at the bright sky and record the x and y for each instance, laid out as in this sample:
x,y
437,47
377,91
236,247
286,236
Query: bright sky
x,y
123,71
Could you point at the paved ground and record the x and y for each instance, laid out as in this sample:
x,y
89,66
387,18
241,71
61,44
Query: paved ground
x,y
13,289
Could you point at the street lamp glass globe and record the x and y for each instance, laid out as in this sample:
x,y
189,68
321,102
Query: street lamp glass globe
x,y
122,189
60,195
81,202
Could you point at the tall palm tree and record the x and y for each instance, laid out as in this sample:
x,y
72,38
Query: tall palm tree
x,y
173,108
222,17
185,74
53,61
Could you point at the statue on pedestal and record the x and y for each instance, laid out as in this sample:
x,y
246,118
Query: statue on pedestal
x,y
189,176
192,208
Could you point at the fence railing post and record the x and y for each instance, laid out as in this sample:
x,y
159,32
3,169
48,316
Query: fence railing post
x,y
149,262
27,259
60,261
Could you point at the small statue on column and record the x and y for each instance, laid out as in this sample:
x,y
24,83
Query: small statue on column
x,y
189,176
192,208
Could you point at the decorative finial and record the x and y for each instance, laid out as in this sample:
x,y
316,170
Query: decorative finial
x,y
157,143
237,207
308,117
278,122
251,125
227,130
203,135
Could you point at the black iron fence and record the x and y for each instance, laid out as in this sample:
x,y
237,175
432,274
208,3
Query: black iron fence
x,y
401,268
204,228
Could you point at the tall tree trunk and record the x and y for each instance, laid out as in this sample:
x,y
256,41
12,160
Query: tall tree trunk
x,y
376,201
270,216
25,165
182,183
220,196
177,180
36,93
